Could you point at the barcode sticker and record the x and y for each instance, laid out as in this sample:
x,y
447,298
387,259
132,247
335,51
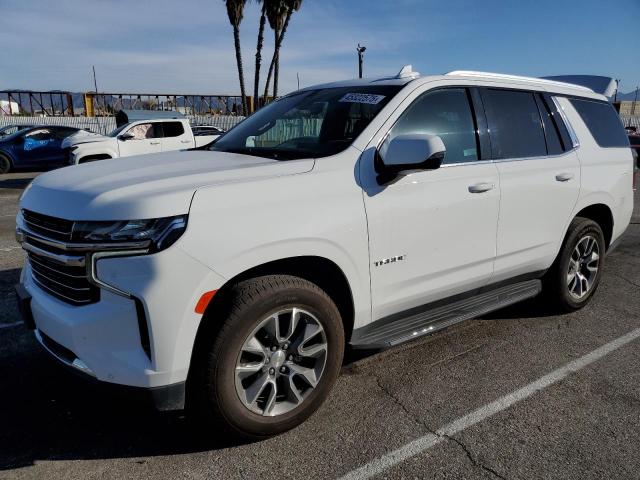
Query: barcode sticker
x,y
367,98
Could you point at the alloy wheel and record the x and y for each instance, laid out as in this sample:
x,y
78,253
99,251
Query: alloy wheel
x,y
583,267
281,362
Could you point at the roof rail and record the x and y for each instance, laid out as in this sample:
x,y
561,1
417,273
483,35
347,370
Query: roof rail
x,y
502,76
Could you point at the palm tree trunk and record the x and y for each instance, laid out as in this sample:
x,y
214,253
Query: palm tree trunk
x,y
256,82
276,53
243,93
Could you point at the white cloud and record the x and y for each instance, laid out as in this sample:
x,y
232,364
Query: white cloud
x,y
169,46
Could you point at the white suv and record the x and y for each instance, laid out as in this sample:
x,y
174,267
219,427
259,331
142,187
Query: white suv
x,y
362,213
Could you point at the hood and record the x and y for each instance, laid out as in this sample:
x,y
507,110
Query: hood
x,y
82,136
146,186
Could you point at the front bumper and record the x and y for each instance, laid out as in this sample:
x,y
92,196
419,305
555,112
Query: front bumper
x,y
164,398
103,340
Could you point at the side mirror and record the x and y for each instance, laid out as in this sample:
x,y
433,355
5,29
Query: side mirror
x,y
126,136
414,151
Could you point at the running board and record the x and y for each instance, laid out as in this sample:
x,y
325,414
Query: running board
x,y
393,331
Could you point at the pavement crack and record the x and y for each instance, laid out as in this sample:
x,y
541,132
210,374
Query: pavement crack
x,y
397,401
471,457
438,433
622,277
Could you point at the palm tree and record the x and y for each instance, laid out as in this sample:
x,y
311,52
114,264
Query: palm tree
x,y
279,14
263,21
235,11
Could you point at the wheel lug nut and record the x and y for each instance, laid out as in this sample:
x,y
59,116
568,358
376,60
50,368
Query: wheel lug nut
x,y
272,371
290,358
283,369
286,345
274,348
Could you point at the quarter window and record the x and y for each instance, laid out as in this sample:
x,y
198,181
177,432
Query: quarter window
x,y
603,122
445,113
515,127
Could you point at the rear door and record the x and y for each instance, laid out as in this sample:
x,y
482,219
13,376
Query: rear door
x,y
539,178
146,139
175,137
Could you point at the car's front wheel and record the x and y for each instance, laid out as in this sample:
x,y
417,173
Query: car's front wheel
x,y
274,359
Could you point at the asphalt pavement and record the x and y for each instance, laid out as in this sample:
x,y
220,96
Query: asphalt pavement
x,y
521,393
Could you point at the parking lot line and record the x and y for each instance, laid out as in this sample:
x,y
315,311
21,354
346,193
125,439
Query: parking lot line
x,y
425,442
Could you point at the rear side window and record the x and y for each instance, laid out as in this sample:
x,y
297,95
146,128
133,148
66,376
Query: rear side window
x,y
514,122
172,129
445,113
603,122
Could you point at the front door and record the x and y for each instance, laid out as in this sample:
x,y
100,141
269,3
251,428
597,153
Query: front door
x,y
146,139
432,234
36,149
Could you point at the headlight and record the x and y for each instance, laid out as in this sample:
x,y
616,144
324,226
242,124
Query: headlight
x,y
161,232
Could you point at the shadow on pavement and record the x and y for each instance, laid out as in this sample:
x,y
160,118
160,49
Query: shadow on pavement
x,y
14,183
47,413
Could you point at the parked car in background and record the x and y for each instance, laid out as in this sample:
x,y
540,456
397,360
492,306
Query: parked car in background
x,y
230,279
11,129
136,137
634,141
202,130
34,148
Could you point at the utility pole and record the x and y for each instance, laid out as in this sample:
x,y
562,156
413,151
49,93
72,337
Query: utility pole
x,y
633,108
298,75
615,96
360,50
95,85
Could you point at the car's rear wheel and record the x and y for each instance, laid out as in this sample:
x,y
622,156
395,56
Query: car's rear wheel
x,y
574,277
5,164
274,359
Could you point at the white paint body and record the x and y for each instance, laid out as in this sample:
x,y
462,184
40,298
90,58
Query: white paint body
x,y
246,211
87,144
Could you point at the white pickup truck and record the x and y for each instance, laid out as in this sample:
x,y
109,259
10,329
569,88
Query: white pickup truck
x,y
134,138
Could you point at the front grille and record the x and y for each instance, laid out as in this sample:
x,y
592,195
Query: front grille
x,y
64,282
51,227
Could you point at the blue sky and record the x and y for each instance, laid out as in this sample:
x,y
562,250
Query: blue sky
x,y
186,46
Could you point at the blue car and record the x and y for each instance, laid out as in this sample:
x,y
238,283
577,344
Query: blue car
x,y
35,148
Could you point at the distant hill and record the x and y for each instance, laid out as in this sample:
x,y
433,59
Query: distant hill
x,y
627,96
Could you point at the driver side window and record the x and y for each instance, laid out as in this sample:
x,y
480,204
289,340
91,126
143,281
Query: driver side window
x,y
143,131
446,113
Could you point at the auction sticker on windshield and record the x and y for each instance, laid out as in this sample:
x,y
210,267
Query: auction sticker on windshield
x,y
369,98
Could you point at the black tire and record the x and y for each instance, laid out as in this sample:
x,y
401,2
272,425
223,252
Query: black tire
x,y
212,398
5,164
555,286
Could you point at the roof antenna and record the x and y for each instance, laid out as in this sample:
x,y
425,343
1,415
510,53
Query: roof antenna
x,y
407,72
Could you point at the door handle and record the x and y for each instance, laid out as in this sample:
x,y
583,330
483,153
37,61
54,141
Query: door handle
x,y
564,177
154,143
481,187
185,141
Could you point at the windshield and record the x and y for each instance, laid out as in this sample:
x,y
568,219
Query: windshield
x,y
118,130
307,124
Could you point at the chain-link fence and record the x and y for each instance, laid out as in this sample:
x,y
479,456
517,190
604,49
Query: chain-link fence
x,y
105,125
